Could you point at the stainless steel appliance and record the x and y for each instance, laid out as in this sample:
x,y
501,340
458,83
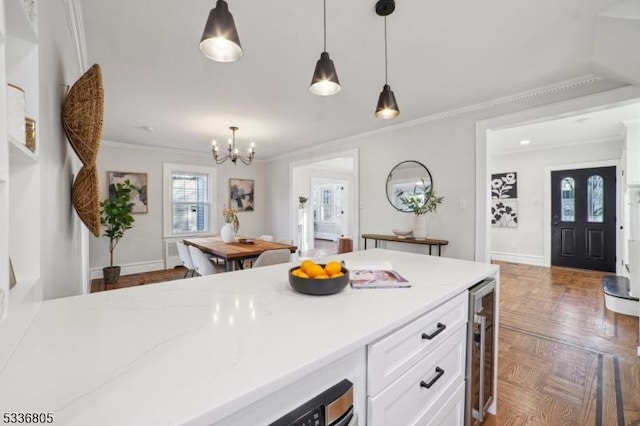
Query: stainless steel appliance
x,y
333,407
480,351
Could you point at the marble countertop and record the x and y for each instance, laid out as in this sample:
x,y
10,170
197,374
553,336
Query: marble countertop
x,y
197,350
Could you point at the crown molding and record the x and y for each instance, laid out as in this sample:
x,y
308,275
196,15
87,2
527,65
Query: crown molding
x,y
75,22
175,151
560,145
586,80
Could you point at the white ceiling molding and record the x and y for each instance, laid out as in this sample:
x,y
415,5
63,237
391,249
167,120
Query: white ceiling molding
x,y
124,145
559,145
76,27
586,80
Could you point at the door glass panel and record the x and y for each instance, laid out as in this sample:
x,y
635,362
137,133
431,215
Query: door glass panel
x,y
568,200
595,199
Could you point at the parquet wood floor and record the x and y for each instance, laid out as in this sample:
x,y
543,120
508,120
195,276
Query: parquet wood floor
x,y
563,358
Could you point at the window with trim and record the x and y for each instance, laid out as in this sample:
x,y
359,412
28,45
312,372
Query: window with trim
x,y
188,195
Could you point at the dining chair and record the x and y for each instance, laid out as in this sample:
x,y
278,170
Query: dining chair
x,y
185,258
272,257
285,241
201,262
266,238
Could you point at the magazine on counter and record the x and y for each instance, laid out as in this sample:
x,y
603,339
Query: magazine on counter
x,y
374,275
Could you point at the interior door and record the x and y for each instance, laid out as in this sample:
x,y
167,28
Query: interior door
x,y
583,218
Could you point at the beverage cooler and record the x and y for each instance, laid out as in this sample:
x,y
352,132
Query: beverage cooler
x,y
480,351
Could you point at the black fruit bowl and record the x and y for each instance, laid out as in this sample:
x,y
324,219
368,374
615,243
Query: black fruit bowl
x,y
319,287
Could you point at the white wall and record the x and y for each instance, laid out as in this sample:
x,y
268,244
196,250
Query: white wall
x,y
60,228
528,237
143,244
446,145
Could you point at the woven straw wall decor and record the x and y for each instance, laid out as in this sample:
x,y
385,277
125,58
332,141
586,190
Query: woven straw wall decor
x,y
86,198
82,115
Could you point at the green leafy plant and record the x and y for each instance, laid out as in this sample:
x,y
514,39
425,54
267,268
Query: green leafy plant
x,y
422,200
302,200
115,213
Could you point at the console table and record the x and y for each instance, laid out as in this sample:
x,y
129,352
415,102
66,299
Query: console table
x,y
428,242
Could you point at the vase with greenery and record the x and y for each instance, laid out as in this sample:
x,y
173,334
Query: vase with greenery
x,y
301,201
422,200
115,216
231,226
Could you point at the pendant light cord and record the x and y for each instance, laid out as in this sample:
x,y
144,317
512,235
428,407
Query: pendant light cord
x,y
385,51
325,25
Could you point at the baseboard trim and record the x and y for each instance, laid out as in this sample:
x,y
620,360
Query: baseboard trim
x,y
526,259
622,306
132,268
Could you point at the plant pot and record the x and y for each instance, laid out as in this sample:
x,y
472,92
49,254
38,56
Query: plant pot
x,y
420,227
227,233
111,274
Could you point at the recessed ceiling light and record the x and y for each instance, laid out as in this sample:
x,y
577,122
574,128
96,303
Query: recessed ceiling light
x,y
525,142
146,128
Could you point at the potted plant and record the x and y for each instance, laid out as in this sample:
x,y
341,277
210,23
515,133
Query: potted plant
x,y
115,216
301,201
232,223
421,201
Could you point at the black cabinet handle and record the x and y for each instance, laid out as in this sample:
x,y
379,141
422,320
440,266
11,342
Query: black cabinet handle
x,y
439,373
440,329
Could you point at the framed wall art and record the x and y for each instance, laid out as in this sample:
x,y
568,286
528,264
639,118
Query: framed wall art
x,y
504,203
139,202
241,194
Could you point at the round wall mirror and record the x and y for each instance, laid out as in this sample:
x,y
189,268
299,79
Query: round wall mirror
x,y
404,177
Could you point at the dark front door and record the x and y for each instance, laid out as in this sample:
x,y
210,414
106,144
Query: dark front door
x,y
583,218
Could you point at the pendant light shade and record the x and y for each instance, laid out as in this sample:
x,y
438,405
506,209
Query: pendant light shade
x,y
325,78
387,105
220,41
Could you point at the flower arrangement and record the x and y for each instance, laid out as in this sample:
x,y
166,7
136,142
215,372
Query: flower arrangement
x,y
231,217
301,201
422,200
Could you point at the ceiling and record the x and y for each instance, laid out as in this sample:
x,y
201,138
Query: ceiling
x,y
606,125
442,55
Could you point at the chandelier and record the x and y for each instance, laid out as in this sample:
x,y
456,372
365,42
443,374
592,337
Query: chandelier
x,y
233,152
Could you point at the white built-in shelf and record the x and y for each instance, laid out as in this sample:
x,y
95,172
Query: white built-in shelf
x,y
20,154
18,23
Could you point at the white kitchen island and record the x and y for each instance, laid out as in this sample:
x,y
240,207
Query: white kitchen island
x,y
228,348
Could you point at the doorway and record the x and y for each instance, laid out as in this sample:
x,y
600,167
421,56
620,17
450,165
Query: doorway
x,y
583,218
329,187
625,96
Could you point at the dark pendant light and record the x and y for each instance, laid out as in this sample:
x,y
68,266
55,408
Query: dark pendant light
x,y
325,79
220,40
387,106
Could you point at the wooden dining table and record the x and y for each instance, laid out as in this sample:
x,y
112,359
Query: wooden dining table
x,y
236,251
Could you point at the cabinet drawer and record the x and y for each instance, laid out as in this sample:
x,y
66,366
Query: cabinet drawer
x,y
392,356
449,410
408,399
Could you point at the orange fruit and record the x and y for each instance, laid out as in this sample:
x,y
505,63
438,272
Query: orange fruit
x,y
322,276
332,268
339,274
298,273
314,270
305,263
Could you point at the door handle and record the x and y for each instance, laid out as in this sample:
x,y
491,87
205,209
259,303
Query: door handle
x,y
439,330
439,373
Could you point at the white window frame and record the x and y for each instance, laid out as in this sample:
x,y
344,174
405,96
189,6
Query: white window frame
x,y
167,171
